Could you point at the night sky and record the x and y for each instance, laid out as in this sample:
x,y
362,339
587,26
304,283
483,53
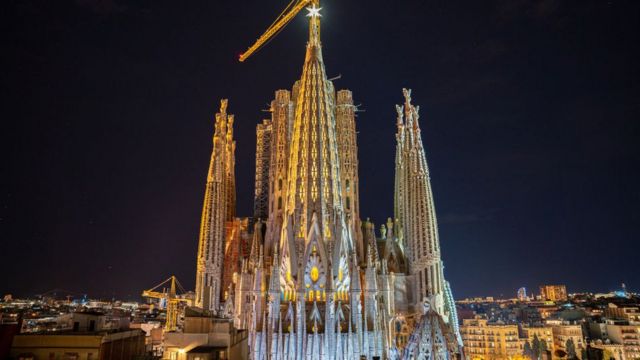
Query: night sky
x,y
530,114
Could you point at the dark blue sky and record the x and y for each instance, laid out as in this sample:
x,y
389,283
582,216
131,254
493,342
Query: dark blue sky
x,y
530,113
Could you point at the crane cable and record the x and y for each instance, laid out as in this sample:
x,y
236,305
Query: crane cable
x,y
283,12
168,281
179,287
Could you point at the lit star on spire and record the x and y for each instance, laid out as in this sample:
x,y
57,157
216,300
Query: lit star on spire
x,y
314,11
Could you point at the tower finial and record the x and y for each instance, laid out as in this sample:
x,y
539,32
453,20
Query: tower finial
x,y
223,106
400,118
314,23
407,96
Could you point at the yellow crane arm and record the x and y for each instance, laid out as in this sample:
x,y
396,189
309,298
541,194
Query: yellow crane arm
x,y
273,29
153,294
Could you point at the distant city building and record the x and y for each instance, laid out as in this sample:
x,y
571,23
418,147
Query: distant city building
x,y
92,336
595,326
486,341
205,337
125,344
522,294
599,350
88,321
597,330
528,315
568,338
546,310
627,335
553,292
542,333
629,313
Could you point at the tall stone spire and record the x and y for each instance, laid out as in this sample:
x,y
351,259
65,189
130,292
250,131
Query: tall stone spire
x,y
217,210
414,207
313,236
230,172
348,151
314,189
282,110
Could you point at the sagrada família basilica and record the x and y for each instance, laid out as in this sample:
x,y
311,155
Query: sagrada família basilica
x,y
305,277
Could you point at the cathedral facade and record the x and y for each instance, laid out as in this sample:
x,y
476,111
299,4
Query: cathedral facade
x,y
305,276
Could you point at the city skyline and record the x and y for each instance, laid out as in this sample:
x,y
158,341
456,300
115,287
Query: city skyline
x,y
150,221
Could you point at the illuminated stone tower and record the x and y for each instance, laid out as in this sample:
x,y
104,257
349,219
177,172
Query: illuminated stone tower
x,y
313,304
418,234
348,153
282,109
313,210
217,210
317,283
415,209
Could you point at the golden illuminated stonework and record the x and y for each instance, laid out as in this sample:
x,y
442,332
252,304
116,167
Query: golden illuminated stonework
x,y
313,280
315,274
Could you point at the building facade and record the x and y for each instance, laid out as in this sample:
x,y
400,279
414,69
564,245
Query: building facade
x,y
627,335
627,313
567,339
553,292
601,351
485,341
316,282
125,344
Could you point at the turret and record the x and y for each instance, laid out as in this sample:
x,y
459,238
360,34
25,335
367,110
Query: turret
x,y
348,154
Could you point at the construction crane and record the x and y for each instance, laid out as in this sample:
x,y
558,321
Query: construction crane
x,y
281,21
170,297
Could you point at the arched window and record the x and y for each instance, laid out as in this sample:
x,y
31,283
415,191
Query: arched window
x,y
279,202
348,203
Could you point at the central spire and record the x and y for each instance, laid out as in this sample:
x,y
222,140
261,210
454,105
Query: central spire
x,y
314,23
313,211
